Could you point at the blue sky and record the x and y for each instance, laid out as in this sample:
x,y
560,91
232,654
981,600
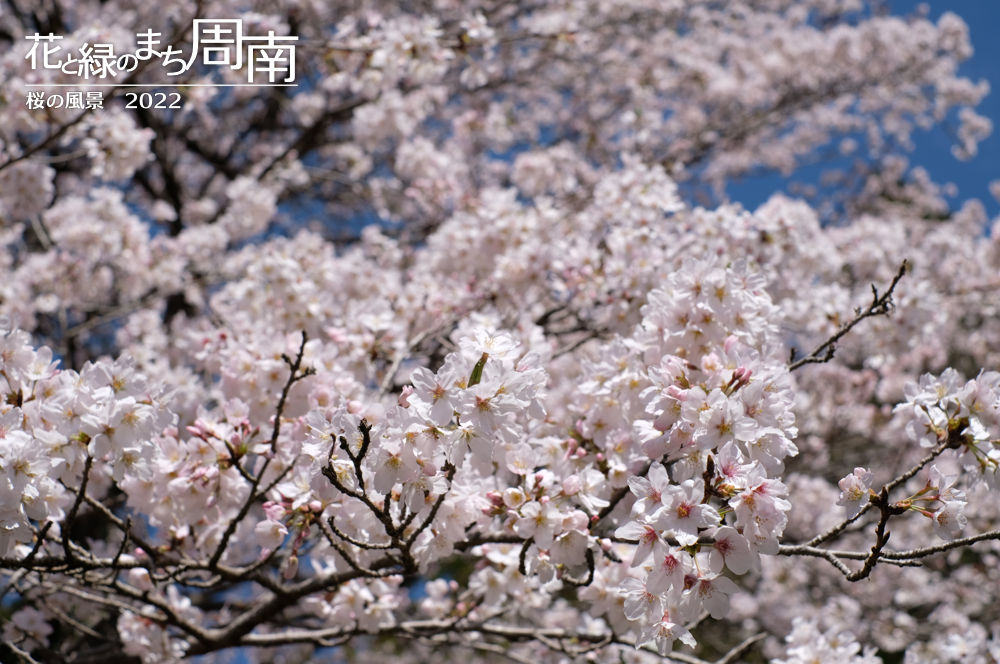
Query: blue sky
x,y
933,147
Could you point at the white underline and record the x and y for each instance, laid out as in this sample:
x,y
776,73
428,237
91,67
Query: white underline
x,y
161,85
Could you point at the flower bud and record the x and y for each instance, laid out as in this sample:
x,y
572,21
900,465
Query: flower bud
x,y
572,485
677,393
291,567
728,344
404,396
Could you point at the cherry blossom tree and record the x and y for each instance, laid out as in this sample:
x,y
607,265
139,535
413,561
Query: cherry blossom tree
x,y
452,348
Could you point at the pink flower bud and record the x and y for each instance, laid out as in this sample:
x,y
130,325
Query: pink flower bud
x,y
495,497
572,485
316,506
404,396
606,544
599,456
677,393
274,511
570,447
544,500
728,344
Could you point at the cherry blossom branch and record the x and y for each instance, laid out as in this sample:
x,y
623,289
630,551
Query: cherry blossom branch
x,y
26,563
450,474
150,550
887,510
569,348
293,377
71,516
348,558
888,557
412,344
881,305
496,649
839,528
741,648
590,572
72,622
940,548
618,495
25,656
350,540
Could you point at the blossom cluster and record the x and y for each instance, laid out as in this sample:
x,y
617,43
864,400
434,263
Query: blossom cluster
x,y
56,423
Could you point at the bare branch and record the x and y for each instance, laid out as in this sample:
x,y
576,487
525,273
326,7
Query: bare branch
x,y
881,305
940,548
590,572
76,507
741,648
402,356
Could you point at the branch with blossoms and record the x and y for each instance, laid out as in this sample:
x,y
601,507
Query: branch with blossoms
x,y
334,508
950,418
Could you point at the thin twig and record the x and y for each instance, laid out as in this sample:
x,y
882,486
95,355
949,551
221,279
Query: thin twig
x,y
940,548
881,536
293,377
839,528
881,305
741,648
76,508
